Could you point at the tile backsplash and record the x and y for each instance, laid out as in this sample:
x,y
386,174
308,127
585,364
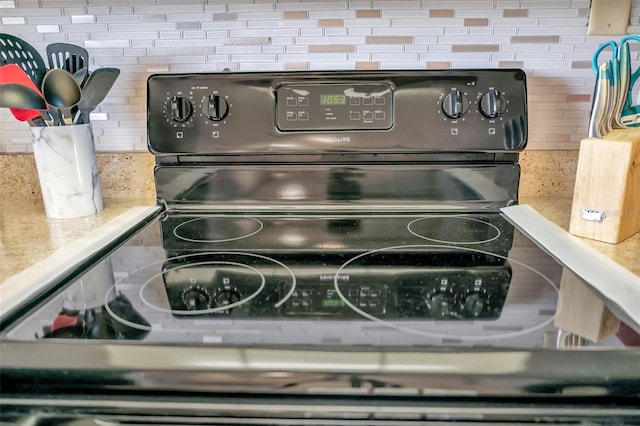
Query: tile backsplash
x,y
546,38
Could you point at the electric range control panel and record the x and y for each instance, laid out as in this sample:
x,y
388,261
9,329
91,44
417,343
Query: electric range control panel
x,y
316,107
439,294
342,111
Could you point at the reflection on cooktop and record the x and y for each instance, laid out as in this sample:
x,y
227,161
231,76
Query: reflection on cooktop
x,y
217,229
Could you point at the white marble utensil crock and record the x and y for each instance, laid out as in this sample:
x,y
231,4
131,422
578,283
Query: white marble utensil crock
x,y
66,162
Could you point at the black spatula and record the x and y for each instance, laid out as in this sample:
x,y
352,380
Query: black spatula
x,y
95,90
67,56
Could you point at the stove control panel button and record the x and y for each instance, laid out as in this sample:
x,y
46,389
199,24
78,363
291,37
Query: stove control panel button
x,y
216,107
180,109
491,104
455,104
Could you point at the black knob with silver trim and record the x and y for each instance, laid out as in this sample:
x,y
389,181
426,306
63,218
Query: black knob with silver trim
x,y
455,104
216,107
180,109
491,104
196,298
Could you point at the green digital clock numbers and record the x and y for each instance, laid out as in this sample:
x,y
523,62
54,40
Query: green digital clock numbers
x,y
333,99
332,303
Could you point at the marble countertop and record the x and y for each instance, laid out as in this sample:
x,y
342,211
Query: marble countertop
x,y
27,236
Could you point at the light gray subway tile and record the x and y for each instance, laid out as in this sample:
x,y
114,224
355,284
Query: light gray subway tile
x,y
460,4
98,10
194,34
505,31
157,26
298,57
141,43
117,35
546,4
358,57
244,41
215,8
87,28
406,31
390,65
107,43
471,14
332,14
239,49
13,20
553,13
564,22
153,17
507,4
360,31
285,32
188,43
296,49
132,52
223,25
189,26
260,66
173,59
32,12
259,16
184,17
83,19
371,48
311,32
273,49
48,28
328,65
48,20
431,22
114,60
170,35
251,7
415,48
111,51
218,58
519,23
311,6
398,57
225,17
254,58
7,4
480,31
181,8
399,4
335,32
405,14
456,32
327,40
369,23
282,41
157,68
277,24
118,19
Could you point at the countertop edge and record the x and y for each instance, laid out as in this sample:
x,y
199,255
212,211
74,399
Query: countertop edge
x,y
33,279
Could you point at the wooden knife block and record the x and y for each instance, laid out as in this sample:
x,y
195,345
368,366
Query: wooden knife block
x,y
606,198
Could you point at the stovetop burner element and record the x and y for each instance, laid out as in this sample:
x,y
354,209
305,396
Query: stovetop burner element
x,y
217,229
454,230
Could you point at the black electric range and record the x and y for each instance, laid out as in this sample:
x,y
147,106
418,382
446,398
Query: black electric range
x,y
329,250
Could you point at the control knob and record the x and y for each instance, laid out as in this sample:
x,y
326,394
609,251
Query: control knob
x,y
455,104
491,104
196,299
227,297
216,107
180,109
474,304
438,306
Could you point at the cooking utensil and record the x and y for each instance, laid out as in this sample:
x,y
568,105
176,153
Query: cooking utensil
x,y
61,90
94,91
29,108
14,50
600,99
621,77
67,56
81,76
17,96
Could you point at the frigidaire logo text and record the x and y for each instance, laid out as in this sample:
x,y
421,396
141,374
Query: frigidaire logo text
x,y
334,139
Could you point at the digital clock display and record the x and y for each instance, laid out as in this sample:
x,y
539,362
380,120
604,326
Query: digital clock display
x,y
333,303
333,99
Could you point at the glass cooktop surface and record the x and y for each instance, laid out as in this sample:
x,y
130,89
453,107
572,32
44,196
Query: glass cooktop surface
x,y
303,279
